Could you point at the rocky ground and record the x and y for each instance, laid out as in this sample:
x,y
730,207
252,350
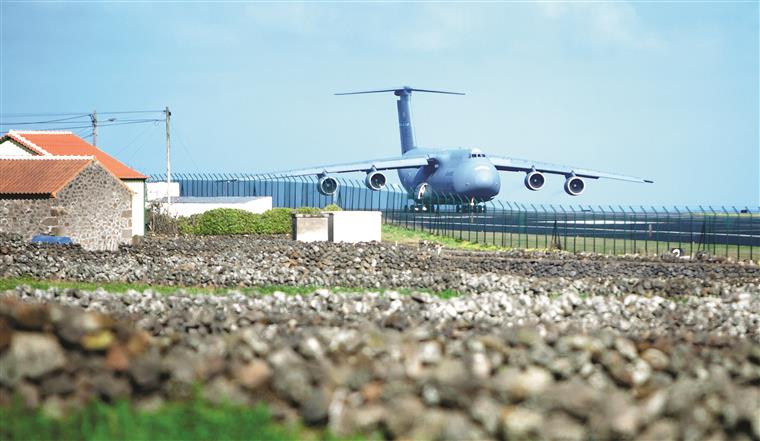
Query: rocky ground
x,y
247,261
550,346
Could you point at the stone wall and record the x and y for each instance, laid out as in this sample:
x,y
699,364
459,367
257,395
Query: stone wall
x,y
94,209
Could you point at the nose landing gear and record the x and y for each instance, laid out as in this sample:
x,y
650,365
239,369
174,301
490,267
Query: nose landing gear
x,y
472,207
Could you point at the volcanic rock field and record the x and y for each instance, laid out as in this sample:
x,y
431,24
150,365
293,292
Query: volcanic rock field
x,y
536,345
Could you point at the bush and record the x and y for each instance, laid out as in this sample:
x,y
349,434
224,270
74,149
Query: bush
x,y
275,221
332,207
226,221
308,210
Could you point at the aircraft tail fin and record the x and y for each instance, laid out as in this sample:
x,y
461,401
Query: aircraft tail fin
x,y
403,106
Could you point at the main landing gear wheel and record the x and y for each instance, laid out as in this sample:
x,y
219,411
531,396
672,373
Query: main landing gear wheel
x,y
417,208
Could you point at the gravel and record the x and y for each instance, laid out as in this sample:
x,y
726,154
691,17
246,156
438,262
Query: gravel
x,y
537,346
247,261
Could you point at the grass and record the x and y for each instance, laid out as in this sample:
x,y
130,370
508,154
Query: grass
x,y
122,287
497,241
393,233
192,420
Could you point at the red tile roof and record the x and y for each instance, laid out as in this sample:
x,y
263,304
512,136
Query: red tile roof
x,y
65,144
39,176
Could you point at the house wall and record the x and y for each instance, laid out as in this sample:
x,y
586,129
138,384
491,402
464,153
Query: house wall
x,y
138,206
10,148
94,209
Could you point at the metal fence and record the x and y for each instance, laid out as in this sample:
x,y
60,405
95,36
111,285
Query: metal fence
x,y
725,231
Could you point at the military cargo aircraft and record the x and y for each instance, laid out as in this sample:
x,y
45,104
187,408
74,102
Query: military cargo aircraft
x,y
457,176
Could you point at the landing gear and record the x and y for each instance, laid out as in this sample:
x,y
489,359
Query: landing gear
x,y
418,208
467,208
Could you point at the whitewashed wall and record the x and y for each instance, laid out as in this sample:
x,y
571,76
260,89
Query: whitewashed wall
x,y
157,190
194,206
138,206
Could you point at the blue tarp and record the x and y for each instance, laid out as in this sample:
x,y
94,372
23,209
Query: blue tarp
x,y
58,240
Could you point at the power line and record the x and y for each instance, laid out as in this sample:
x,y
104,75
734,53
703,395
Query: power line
x,y
120,112
141,121
43,122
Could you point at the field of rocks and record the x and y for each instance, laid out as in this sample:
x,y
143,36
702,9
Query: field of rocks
x,y
537,345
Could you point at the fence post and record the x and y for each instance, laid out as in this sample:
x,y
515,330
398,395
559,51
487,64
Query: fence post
x,y
648,227
751,231
691,231
555,232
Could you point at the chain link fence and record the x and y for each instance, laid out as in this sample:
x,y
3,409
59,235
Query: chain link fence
x,y
724,231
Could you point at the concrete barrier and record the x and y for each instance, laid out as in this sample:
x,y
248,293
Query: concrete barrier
x,y
310,227
186,206
355,226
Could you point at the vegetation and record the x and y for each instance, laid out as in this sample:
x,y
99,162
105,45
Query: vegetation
x,y
122,287
495,241
392,233
225,221
308,210
192,420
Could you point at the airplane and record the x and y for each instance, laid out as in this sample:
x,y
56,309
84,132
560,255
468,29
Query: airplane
x,y
465,177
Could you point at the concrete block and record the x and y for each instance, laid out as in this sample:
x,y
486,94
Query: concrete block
x,y
310,228
355,226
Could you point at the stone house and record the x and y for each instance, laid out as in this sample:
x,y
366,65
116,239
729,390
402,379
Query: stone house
x,y
35,143
71,196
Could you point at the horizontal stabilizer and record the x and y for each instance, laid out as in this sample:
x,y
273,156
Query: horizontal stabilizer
x,y
406,89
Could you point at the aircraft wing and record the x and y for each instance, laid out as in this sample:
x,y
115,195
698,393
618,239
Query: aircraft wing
x,y
513,164
363,166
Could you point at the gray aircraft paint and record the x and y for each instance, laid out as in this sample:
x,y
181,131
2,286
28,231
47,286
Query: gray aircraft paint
x,y
455,175
456,172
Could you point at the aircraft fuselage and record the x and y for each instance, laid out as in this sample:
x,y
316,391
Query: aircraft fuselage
x,y
459,174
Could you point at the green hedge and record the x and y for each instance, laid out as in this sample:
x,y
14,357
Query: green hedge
x,y
332,207
225,221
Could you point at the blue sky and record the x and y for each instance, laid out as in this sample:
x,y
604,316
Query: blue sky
x,y
667,91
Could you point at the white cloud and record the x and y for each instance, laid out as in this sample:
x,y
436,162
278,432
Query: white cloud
x,y
605,23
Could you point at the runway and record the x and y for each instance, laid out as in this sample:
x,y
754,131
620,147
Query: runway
x,y
741,230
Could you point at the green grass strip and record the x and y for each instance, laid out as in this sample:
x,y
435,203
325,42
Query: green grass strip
x,y
191,420
123,287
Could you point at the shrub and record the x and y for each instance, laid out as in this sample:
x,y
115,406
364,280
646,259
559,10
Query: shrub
x,y
227,221
308,210
275,221
332,207
159,221
188,225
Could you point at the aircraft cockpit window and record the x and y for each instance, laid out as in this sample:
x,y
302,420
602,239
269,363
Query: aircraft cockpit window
x,y
477,155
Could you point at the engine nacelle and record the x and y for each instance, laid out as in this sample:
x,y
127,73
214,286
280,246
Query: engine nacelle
x,y
375,181
535,180
574,185
327,185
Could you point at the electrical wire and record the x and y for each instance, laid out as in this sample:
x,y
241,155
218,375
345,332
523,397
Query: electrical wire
x,y
18,115
184,147
141,121
127,145
44,122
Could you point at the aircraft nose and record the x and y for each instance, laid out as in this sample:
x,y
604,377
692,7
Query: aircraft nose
x,y
480,181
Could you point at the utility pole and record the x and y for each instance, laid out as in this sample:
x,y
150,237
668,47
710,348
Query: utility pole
x,y
168,161
94,119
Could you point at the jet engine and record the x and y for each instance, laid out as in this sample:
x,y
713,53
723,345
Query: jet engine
x,y
375,181
574,185
327,185
534,180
